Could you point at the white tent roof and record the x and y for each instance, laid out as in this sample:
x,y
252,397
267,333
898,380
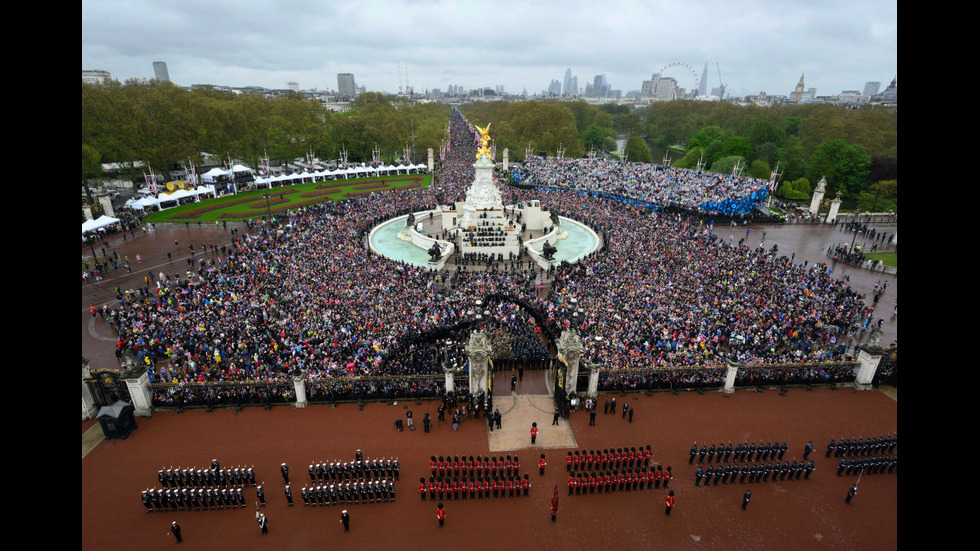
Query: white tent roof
x,y
100,222
209,175
240,168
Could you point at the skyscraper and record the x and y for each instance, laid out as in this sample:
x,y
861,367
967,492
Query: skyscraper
x,y
871,88
345,85
703,85
160,71
569,85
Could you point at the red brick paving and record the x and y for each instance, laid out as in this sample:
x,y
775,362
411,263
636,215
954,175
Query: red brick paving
x,y
802,514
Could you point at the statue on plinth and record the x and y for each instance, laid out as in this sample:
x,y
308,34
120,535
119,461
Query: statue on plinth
x,y
434,252
548,251
410,221
484,143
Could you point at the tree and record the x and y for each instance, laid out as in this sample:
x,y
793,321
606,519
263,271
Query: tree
x,y
795,190
595,136
766,132
760,169
845,166
880,197
725,165
91,167
636,150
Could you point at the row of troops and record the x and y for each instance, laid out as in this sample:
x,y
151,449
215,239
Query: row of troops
x,y
348,493
478,487
488,466
851,447
608,459
202,478
337,471
754,472
871,465
192,499
742,452
618,480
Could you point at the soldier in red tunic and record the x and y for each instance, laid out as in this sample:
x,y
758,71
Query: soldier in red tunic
x,y
541,465
441,514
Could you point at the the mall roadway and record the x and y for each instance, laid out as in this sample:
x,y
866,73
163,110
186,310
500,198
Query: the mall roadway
x,y
809,242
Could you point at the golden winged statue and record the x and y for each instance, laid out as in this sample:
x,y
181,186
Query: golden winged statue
x,y
484,142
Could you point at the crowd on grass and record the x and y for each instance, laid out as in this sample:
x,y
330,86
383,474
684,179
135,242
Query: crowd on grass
x,y
302,295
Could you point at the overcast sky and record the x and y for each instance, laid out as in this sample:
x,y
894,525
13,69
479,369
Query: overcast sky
x,y
758,45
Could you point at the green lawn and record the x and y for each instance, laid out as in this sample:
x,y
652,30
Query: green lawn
x,y
889,259
253,204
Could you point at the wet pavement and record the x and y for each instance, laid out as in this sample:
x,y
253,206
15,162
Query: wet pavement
x,y
809,242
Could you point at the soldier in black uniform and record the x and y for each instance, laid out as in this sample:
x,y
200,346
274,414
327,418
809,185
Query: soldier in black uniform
x,y
807,450
809,469
147,501
702,453
260,494
285,473
708,474
728,451
289,495
711,453
830,447
782,450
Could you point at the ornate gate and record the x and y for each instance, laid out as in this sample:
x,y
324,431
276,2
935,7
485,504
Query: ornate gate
x,y
107,387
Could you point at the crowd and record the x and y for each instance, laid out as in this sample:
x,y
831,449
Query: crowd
x,y
650,183
300,294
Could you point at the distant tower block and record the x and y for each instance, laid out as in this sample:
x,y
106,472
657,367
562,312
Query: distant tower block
x,y
160,71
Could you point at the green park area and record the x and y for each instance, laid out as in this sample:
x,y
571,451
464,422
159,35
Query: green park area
x,y
888,259
279,200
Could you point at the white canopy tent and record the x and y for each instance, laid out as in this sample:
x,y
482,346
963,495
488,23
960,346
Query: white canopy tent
x,y
210,175
100,222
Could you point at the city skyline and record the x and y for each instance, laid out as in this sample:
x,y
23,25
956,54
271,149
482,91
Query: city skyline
x,y
758,46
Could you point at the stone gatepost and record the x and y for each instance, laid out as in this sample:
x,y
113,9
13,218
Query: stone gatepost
x,y
730,373
87,212
869,356
593,381
299,384
570,347
89,409
834,208
140,394
506,159
478,350
106,202
818,196
450,380
431,162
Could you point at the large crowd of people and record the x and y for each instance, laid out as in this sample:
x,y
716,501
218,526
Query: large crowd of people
x,y
302,295
650,183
